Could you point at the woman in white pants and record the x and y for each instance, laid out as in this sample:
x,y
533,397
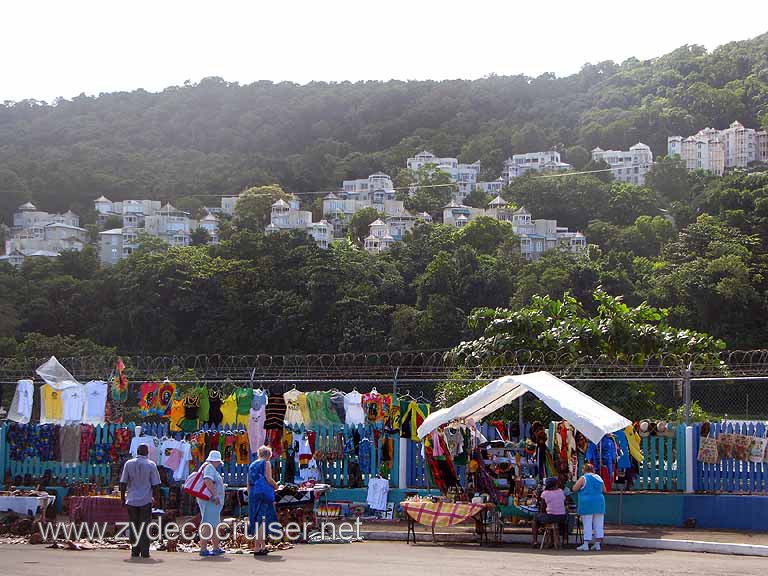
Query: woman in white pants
x,y
591,506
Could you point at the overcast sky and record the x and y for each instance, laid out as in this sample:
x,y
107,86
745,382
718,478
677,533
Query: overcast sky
x,y
56,48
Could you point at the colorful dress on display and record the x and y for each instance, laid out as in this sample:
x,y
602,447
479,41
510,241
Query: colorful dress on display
x,y
293,414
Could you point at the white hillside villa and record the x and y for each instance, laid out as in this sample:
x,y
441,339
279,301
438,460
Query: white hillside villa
x,y
627,165
536,236
519,164
150,217
715,150
466,176
289,216
39,233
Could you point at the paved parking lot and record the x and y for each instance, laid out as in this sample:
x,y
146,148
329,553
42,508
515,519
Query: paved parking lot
x,y
378,558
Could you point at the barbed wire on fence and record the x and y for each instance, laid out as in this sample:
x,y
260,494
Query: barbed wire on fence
x,y
419,364
428,364
730,384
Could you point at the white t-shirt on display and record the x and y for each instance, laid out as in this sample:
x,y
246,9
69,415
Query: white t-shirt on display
x,y
353,408
73,400
182,471
150,441
378,488
95,402
21,405
166,450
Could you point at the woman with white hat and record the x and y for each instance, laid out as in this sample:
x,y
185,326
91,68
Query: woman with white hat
x,y
210,510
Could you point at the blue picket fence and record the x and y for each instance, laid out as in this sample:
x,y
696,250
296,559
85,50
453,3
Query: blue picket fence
x,y
663,466
663,469
730,475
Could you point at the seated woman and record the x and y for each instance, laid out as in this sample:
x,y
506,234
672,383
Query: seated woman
x,y
551,508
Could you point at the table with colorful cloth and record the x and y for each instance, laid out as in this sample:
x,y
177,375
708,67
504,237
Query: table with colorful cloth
x,y
26,505
97,509
443,514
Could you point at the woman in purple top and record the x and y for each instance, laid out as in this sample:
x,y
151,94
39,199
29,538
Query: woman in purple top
x,y
551,508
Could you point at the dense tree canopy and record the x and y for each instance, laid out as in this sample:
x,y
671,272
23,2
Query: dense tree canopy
x,y
281,293
217,137
691,245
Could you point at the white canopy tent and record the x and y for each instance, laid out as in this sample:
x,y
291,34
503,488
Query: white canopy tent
x,y
587,415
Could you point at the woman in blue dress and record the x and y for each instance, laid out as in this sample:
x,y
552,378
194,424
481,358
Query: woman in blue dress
x,y
261,499
591,506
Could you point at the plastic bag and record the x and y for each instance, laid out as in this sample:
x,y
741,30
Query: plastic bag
x,y
55,375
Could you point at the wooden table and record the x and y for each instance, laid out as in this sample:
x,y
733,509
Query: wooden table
x,y
442,514
97,509
27,505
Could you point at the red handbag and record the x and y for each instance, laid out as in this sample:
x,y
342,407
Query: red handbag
x,y
195,485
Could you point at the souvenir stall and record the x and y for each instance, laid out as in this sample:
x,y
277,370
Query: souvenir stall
x,y
503,471
319,439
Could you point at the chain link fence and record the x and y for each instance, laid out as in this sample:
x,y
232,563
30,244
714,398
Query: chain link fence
x,y
733,386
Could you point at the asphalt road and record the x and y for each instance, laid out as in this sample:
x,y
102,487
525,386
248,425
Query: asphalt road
x,y
377,558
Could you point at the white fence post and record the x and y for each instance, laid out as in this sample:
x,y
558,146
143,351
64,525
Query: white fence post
x,y
402,480
690,460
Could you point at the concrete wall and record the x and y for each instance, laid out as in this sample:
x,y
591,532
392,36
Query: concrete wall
x,y
714,511
724,512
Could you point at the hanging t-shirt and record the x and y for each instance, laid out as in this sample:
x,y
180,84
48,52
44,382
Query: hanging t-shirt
x,y
214,411
293,415
337,403
353,409
176,415
256,432
329,413
185,456
73,402
242,448
275,412
148,398
228,449
150,441
69,443
229,410
304,407
375,406
51,406
378,488
95,402
259,399
244,397
166,457
166,392
21,406
191,408
412,415
314,409
305,451
203,403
